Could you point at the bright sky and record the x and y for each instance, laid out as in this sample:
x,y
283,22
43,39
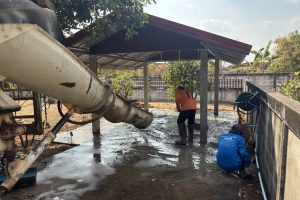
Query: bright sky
x,y
251,21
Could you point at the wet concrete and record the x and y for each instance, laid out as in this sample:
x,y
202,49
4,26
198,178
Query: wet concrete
x,y
138,164
83,134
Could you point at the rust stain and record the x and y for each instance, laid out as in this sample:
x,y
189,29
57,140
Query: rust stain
x,y
68,84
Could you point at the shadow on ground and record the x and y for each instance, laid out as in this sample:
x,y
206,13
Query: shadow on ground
x,y
138,164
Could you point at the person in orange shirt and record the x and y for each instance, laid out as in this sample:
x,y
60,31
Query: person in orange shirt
x,y
186,105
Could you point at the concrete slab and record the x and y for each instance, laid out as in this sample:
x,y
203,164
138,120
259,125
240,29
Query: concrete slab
x,y
138,164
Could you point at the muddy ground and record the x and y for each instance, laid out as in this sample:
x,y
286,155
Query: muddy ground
x,y
53,115
140,164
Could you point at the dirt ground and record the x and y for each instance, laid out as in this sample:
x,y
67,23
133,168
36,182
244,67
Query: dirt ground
x,y
251,189
135,182
168,105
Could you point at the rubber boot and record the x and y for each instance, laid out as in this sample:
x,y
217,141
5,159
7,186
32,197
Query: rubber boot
x,y
191,133
182,134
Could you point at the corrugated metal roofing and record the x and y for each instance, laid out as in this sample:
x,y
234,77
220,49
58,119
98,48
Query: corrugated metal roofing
x,y
159,40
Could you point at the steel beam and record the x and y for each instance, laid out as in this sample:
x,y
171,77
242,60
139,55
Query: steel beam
x,y
121,57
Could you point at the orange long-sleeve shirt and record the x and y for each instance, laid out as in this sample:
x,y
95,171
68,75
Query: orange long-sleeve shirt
x,y
184,101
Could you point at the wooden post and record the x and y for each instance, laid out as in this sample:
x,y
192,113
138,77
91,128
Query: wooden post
x,y
216,96
146,87
93,66
203,96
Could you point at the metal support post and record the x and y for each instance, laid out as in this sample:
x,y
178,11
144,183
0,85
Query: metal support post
x,y
146,87
216,96
203,96
37,110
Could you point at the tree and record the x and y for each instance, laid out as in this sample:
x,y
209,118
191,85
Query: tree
x,y
182,73
262,57
123,84
287,54
292,87
233,69
106,16
186,73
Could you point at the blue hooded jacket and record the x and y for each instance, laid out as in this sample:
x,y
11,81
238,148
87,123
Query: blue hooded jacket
x,y
232,152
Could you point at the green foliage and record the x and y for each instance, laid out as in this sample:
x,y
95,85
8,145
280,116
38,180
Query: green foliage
x,y
123,84
262,58
155,69
286,57
233,69
211,67
287,54
108,16
186,73
292,88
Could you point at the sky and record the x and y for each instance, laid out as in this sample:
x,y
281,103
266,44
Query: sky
x,y
250,21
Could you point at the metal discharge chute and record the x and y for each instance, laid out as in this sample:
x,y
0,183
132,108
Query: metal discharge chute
x,y
31,58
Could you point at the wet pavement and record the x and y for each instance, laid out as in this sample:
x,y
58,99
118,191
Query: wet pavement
x,y
83,134
138,164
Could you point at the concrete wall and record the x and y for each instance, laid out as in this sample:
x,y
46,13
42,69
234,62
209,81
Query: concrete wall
x,y
161,95
278,144
227,94
157,95
263,80
292,168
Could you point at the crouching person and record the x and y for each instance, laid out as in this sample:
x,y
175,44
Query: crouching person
x,y
232,151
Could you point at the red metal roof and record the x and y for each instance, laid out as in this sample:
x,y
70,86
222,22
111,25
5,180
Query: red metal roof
x,y
199,34
161,40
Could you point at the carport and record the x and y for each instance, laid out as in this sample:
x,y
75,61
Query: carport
x,y
161,40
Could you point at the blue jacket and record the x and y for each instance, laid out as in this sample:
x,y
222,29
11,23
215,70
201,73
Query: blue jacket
x,y
232,152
